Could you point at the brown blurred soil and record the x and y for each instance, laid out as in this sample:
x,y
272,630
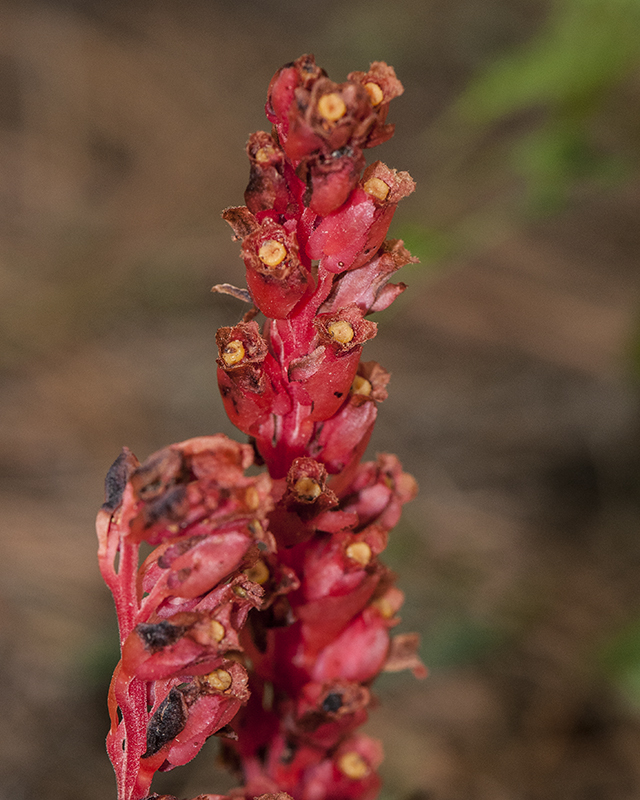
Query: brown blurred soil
x,y
121,137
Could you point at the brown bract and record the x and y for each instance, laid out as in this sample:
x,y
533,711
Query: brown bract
x,y
400,184
377,377
158,473
350,127
403,654
241,220
326,324
288,268
247,371
383,76
267,187
307,490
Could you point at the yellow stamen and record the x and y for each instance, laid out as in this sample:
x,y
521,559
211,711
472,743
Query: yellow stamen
x,y
258,573
217,630
353,765
272,253
240,591
340,331
360,552
384,607
376,95
219,679
252,498
361,386
377,188
264,154
331,107
307,489
233,353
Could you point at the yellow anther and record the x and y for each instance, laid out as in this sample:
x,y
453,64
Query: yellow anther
x,y
376,95
240,592
384,607
219,679
377,188
353,765
264,154
272,253
217,630
361,386
331,107
307,489
252,498
360,552
258,573
233,353
340,331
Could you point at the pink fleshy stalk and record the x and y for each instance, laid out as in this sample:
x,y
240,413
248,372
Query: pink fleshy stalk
x,y
262,614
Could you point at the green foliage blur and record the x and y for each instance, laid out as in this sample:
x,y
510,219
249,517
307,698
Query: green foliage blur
x,y
575,86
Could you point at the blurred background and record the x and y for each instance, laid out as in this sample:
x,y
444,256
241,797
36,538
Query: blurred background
x,y
515,358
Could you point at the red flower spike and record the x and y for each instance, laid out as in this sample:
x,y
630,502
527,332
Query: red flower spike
x,y
263,611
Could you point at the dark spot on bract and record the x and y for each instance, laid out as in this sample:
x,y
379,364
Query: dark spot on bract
x,y
116,479
158,635
332,702
168,507
167,722
338,394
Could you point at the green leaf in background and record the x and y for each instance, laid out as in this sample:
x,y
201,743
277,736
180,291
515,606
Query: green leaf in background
x,y
619,659
585,47
427,244
568,77
458,641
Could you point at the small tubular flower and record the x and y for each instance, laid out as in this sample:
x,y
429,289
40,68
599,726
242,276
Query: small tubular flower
x,y
276,277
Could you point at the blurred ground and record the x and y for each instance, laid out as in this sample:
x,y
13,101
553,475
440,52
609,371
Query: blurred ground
x,y
122,128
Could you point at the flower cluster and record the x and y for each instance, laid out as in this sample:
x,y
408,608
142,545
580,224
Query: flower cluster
x,y
262,613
